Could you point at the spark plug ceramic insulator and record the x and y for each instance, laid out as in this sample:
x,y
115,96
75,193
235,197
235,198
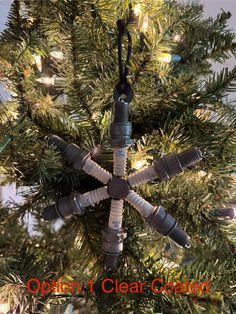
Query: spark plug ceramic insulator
x,y
166,167
74,204
145,175
116,214
120,160
144,207
79,159
93,197
96,171
161,221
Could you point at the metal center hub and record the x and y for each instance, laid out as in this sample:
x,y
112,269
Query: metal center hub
x,y
118,188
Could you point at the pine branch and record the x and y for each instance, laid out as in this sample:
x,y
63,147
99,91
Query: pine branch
x,y
219,85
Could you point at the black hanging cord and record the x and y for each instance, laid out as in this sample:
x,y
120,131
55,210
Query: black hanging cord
x,y
123,69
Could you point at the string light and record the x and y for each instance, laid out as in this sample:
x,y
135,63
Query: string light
x,y
37,105
168,57
137,9
201,173
206,114
94,116
177,38
139,164
164,57
52,81
5,307
145,23
56,54
46,80
175,58
38,62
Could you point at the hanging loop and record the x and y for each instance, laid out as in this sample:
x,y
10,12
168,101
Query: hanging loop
x,y
122,90
123,87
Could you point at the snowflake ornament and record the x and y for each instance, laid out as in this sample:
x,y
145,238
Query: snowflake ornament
x,y
118,186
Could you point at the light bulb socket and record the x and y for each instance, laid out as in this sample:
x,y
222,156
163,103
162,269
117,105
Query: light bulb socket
x,y
229,212
112,246
176,58
166,225
64,208
73,155
173,164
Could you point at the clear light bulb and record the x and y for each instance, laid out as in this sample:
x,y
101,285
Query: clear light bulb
x,y
139,164
177,38
38,62
46,80
207,114
168,57
137,9
165,57
56,54
145,23
94,116
201,173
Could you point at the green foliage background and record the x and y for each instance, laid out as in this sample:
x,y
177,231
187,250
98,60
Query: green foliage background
x,y
172,110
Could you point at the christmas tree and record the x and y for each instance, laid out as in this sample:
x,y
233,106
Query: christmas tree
x,y
61,61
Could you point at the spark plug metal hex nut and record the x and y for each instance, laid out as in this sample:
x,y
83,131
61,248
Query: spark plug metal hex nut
x,y
172,164
73,154
112,246
166,225
64,207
